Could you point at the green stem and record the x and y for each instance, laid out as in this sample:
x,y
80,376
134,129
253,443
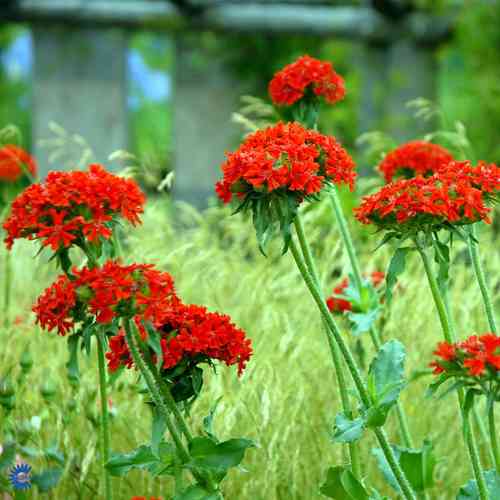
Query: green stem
x,y
104,414
358,281
493,435
481,279
168,398
483,433
334,350
155,393
353,369
346,237
450,336
7,287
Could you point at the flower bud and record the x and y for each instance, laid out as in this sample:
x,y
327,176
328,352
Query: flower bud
x,y
84,293
48,390
26,361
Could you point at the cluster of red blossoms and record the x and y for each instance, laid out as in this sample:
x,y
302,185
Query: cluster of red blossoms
x,y
285,156
456,194
413,159
143,293
474,357
190,332
111,291
15,163
306,74
337,304
72,206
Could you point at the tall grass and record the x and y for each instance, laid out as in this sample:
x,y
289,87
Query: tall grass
x,y
287,399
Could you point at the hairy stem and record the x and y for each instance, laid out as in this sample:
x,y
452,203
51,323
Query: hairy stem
x,y
493,435
481,279
353,369
450,336
334,350
105,441
358,281
168,399
7,287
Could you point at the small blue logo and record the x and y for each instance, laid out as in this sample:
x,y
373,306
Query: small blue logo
x,y
20,476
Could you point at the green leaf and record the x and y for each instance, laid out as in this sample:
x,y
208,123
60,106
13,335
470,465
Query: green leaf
x,y
341,484
158,427
396,268
348,430
196,492
470,491
47,479
362,322
141,458
442,258
208,421
417,464
218,457
72,366
8,455
386,379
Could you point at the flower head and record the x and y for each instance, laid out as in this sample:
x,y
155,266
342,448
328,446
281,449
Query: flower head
x,y
306,75
189,335
15,163
412,159
285,158
55,305
475,357
108,292
73,207
457,194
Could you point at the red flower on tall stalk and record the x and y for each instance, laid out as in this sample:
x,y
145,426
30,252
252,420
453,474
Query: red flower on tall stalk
x,y
285,157
15,163
305,75
477,356
108,292
73,207
192,335
457,194
337,304
412,159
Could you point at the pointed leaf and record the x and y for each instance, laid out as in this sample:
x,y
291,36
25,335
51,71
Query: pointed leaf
x,y
470,491
348,430
396,268
341,484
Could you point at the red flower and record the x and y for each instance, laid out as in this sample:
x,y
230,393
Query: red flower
x,y
306,74
117,290
473,357
14,163
190,333
453,195
414,158
337,304
287,157
54,307
72,206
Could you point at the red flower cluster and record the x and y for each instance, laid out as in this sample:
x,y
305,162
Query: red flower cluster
x,y
474,357
54,307
15,162
111,291
414,158
337,304
70,207
285,156
190,332
457,194
306,73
